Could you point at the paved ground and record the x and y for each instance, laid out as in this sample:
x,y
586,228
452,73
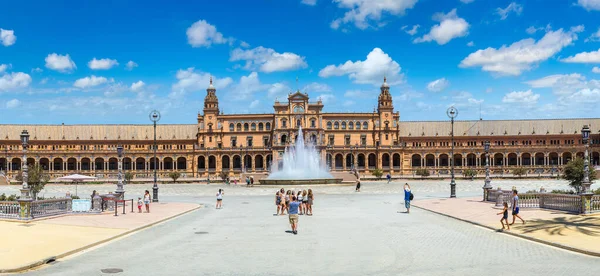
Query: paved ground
x,y
350,234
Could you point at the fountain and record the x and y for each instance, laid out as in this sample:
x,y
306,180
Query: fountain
x,y
301,165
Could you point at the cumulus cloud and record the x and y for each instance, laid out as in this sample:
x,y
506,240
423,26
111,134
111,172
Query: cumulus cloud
x,y
353,94
470,44
563,85
594,37
14,81
7,37
36,70
188,80
13,103
203,34
438,85
278,90
309,2
532,29
590,5
316,87
248,86
584,57
451,26
596,69
60,63
102,64
412,31
254,104
512,7
136,86
3,67
521,55
362,12
268,60
368,71
90,81
467,1
130,65
521,97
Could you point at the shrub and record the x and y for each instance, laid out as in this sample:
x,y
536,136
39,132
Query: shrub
x,y
469,173
377,173
75,197
519,172
224,175
422,172
174,176
573,172
37,179
566,192
128,176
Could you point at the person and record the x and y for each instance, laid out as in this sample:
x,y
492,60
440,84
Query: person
x,y
389,178
220,199
305,202
147,201
299,197
277,202
504,216
282,201
407,194
251,180
515,207
358,185
93,195
247,180
227,181
140,203
234,180
288,197
293,214
311,199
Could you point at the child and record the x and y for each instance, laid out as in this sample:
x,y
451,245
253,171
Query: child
x,y
140,204
220,199
305,202
278,203
299,198
504,216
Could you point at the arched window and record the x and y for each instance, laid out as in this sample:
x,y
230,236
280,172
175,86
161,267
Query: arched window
x,y
328,125
365,125
351,125
358,125
253,127
336,125
239,127
313,123
268,126
298,122
260,126
246,127
283,123
343,125
231,127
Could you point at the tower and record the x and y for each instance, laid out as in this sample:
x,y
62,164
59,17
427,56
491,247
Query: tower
x,y
211,102
386,115
385,98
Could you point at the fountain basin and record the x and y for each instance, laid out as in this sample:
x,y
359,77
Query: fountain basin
x,y
279,182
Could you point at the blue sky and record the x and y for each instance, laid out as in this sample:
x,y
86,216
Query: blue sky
x,y
115,61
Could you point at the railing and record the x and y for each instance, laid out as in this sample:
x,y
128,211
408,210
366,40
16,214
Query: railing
x,y
10,209
595,204
50,207
568,203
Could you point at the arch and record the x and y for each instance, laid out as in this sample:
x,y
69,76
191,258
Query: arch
x,y
253,127
99,164
231,127
313,122
595,158
483,159
140,164
471,160
430,160
336,125
328,161
526,159
358,125
247,162
553,157
259,162
539,159
365,125
3,164
415,160
15,164
458,162
283,139
372,161
396,160
237,162
45,163
86,164
113,164
444,160
329,125
168,163
225,162
349,160
566,156
261,127
201,163
57,164
339,161
268,126
269,161
385,161
580,155
71,164
182,163
351,125
212,163
361,161
512,159
127,163
246,127
238,127
498,159
313,139
343,125
30,162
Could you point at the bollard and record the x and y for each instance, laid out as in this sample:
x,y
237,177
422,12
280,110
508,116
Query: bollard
x,y
132,205
116,209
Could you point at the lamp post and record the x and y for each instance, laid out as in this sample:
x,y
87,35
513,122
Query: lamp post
x,y
25,191
120,191
328,159
154,117
452,112
242,157
585,133
487,186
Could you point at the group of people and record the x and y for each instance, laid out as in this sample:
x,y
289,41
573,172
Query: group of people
x,y
249,180
304,198
145,202
515,212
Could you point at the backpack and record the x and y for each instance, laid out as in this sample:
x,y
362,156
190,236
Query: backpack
x,y
411,196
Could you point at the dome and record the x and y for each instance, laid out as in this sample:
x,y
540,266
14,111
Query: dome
x,y
210,86
385,83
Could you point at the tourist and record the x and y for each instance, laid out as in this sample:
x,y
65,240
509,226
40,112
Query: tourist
x,y
227,180
247,180
407,197
299,197
220,199
311,199
287,200
358,185
251,180
515,207
147,201
282,201
293,213
389,178
234,180
504,216
277,202
94,193
140,204
305,202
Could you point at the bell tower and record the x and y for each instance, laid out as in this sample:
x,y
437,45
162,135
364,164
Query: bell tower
x,y
211,102
385,98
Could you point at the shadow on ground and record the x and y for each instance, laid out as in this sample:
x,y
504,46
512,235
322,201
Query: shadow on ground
x,y
557,226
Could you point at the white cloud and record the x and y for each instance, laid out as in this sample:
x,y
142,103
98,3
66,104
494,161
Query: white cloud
x,y
188,80
13,103
438,85
88,82
60,63
247,86
102,64
370,71
361,12
521,55
512,7
467,1
594,37
471,44
203,34
531,30
309,2
327,98
451,26
14,81
354,94
267,60
136,86
316,87
590,5
44,81
3,67
254,104
596,69
278,90
244,44
584,57
521,97
7,37
565,85
348,103
412,31
130,65
36,70
407,96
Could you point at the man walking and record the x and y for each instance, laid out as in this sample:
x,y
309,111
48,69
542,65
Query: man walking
x,y
389,178
293,213
515,208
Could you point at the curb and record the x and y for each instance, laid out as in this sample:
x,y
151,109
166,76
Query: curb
x,y
54,258
554,244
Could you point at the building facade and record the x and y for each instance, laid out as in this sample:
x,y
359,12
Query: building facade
x,y
231,144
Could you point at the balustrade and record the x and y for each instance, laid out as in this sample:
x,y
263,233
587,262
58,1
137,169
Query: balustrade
x,y
50,207
9,209
595,204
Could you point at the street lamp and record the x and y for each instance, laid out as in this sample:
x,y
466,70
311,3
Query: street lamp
x,y
452,112
25,191
120,191
242,157
154,117
487,186
585,133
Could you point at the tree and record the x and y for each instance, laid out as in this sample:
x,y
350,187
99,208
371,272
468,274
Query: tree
x,y
422,172
469,173
519,172
573,172
128,177
377,173
174,176
36,179
224,176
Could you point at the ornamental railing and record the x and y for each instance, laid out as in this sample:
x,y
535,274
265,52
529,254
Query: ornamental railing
x,y
578,204
50,207
595,204
10,209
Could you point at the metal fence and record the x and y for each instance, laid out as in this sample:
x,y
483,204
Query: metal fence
x,y
50,207
562,202
10,209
